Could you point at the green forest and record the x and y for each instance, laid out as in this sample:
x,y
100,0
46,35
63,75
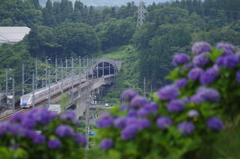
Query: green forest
x,y
63,29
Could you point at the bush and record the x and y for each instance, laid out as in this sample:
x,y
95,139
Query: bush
x,y
40,134
184,116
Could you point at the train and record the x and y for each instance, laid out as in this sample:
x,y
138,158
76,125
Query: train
x,y
26,101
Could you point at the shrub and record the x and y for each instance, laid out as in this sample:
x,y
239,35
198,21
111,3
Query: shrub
x,y
40,134
184,115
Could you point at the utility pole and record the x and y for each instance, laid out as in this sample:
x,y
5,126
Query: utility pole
x,y
23,79
71,100
6,81
36,73
141,11
49,96
13,95
46,71
144,84
79,59
72,73
79,87
56,75
66,67
33,83
103,68
109,67
62,76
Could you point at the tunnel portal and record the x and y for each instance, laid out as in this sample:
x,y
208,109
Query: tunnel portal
x,y
103,68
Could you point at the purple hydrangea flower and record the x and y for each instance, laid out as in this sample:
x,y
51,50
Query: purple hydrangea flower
x,y
215,68
68,115
120,122
175,105
24,132
238,76
39,115
106,144
208,76
196,98
143,124
131,121
181,82
132,113
129,132
142,112
52,114
188,65
80,139
186,100
186,127
168,92
138,101
180,58
123,107
214,123
128,94
230,61
147,109
3,128
164,122
195,73
226,47
200,47
16,118
193,113
152,107
64,131
14,129
28,122
38,138
54,144
200,60
209,94
220,60
105,121
238,56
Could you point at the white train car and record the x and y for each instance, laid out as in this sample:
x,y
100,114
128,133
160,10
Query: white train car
x,y
42,94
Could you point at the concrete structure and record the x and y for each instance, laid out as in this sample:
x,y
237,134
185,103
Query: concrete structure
x,y
101,75
13,35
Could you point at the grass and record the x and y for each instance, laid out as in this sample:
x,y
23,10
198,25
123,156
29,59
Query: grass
x,y
119,53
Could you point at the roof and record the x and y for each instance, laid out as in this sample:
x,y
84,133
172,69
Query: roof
x,y
12,35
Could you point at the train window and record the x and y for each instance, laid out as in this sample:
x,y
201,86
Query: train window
x,y
25,97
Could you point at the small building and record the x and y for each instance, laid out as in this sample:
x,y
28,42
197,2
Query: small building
x,y
13,35
53,108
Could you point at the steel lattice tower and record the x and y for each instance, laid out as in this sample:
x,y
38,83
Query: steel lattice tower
x,y
141,11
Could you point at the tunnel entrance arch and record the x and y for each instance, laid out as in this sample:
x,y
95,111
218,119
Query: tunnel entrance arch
x,y
104,67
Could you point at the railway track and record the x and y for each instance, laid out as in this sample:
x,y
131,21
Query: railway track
x,y
24,110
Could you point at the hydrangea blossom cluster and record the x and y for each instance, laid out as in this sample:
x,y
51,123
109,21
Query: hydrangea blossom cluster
x,y
180,58
186,104
41,127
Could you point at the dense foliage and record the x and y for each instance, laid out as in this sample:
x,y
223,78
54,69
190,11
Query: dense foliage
x,y
40,134
184,115
65,29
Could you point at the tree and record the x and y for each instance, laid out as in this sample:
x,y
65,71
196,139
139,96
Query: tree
x,y
33,42
48,15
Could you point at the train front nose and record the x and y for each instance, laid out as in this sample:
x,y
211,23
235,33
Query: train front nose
x,y
24,102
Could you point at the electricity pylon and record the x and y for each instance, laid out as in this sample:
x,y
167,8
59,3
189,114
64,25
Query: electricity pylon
x,y
141,11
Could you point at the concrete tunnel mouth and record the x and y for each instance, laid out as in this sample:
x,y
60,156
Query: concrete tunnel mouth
x,y
103,68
